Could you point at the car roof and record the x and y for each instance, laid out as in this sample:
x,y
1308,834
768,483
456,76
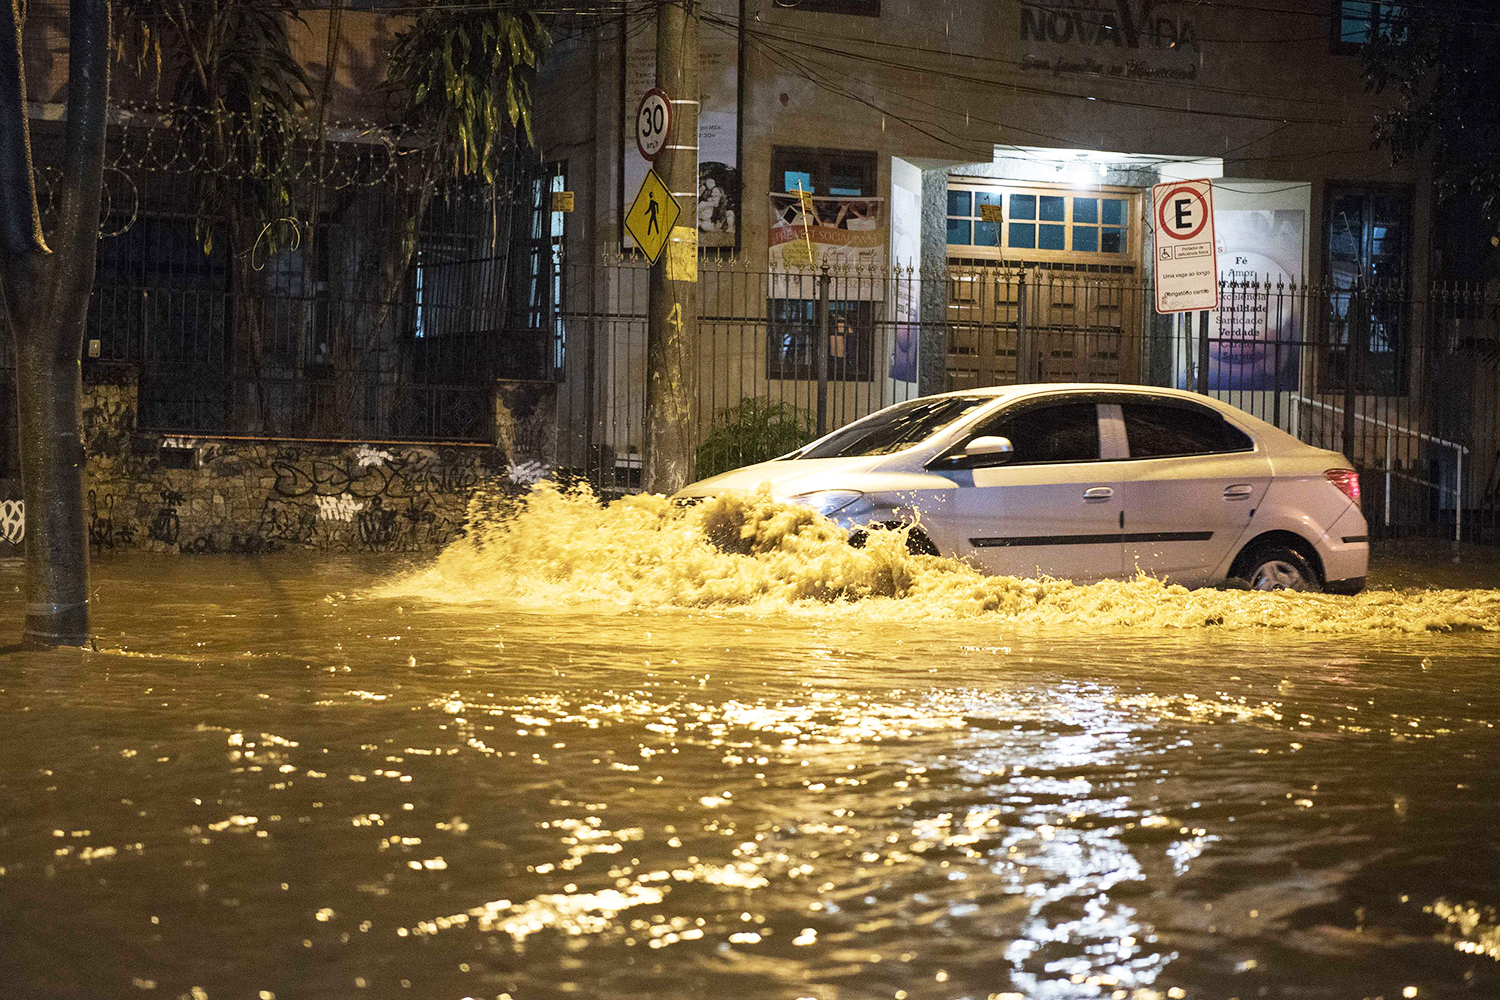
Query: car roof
x,y
1268,433
1062,388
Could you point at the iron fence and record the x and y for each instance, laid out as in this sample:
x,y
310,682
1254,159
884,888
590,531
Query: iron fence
x,y
1403,383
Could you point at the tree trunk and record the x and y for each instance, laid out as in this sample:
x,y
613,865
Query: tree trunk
x,y
49,384
44,298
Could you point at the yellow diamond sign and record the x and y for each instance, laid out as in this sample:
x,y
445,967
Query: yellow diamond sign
x,y
652,215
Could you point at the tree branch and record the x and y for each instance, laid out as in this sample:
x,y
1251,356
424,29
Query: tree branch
x,y
83,177
20,222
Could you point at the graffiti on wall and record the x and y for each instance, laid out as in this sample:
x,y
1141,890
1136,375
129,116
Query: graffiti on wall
x,y
13,521
197,494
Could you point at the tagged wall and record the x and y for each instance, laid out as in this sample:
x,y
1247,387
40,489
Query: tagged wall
x,y
206,494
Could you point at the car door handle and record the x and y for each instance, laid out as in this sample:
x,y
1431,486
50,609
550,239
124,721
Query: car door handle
x,y
1239,491
1098,493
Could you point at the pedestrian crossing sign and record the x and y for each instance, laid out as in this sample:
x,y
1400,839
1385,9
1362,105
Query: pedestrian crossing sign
x,y
652,216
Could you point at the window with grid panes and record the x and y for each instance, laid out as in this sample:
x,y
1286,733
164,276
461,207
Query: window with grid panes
x,y
1359,22
1033,220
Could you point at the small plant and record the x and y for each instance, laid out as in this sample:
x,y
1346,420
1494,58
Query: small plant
x,y
755,431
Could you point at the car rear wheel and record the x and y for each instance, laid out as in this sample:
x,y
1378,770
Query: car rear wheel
x,y
1279,567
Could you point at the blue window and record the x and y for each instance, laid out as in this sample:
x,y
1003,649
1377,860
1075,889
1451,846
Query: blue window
x,y
1038,221
797,180
1359,22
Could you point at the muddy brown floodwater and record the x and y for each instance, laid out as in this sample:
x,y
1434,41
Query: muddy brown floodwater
x,y
645,752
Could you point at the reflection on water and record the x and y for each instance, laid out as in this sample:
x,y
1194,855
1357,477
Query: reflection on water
x,y
618,761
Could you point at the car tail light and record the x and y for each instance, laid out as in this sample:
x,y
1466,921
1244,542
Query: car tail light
x,y
1347,480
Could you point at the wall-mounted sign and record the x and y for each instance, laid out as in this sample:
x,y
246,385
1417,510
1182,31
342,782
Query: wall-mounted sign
x,y
562,201
842,232
1127,39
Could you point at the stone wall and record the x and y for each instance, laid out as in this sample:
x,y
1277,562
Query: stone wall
x,y
233,494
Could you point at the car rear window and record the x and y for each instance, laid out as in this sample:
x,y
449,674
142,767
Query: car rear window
x,y
896,427
1156,430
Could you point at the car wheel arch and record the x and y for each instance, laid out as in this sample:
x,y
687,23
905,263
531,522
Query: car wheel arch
x,y
918,542
1290,539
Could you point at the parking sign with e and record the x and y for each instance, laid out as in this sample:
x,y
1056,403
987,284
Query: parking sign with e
x,y
1187,264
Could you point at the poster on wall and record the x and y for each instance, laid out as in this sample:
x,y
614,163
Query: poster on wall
x,y
845,233
906,252
1257,337
718,210
1261,316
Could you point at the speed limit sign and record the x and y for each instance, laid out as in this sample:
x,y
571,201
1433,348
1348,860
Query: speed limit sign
x,y
653,122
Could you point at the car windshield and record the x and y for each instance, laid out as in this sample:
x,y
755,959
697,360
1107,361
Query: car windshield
x,y
900,426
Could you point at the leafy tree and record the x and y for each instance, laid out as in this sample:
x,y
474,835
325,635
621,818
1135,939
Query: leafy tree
x,y
1438,61
463,77
44,294
228,66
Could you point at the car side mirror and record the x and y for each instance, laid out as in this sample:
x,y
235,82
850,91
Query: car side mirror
x,y
980,453
988,450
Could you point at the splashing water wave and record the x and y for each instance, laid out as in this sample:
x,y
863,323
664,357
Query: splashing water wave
x,y
746,551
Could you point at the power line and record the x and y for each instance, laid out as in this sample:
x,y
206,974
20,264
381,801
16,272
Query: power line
x,y
967,144
1049,93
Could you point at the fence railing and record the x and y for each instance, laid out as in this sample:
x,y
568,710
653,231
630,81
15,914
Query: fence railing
x,y
1406,384
1403,383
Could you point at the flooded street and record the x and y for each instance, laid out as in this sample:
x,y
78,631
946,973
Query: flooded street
x,y
611,759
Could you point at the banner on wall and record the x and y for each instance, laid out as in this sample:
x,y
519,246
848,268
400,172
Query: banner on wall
x,y
906,250
844,233
1257,335
1256,342
719,206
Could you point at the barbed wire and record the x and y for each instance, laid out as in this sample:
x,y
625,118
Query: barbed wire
x,y
188,146
234,146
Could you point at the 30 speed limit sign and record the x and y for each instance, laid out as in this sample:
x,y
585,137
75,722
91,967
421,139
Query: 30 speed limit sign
x,y
653,122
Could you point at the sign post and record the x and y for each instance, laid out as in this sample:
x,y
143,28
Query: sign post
x,y
1187,263
1187,259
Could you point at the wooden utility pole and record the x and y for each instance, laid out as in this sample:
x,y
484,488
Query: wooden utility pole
x,y
672,315
44,299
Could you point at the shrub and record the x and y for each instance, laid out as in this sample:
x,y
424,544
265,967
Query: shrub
x,y
755,431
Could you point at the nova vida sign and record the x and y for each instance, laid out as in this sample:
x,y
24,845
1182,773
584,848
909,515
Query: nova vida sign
x,y
1187,261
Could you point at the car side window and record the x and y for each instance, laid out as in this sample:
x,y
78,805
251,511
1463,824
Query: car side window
x,y
1155,430
1068,432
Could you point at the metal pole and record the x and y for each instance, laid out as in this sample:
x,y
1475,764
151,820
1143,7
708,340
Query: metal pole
x,y
1202,351
1458,502
672,325
1355,326
1025,354
820,350
1388,461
